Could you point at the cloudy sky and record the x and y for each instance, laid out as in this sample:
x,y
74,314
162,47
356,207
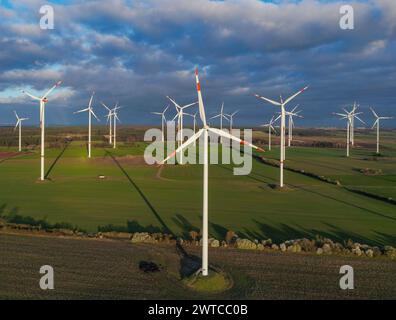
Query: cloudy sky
x,y
137,52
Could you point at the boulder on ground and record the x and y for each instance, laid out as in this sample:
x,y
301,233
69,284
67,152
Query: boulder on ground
x,y
260,247
215,243
319,251
326,248
357,251
143,237
369,253
282,247
275,247
245,244
117,235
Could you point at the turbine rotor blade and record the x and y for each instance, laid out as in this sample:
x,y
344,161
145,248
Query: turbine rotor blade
x,y
268,100
184,145
295,95
50,90
200,100
230,136
31,96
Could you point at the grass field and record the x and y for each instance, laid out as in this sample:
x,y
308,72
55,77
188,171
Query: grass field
x,y
103,269
171,200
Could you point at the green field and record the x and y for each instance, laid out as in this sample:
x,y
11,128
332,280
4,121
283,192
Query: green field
x,y
171,200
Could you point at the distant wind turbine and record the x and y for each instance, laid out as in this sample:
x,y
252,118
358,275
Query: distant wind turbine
x,y
292,114
231,119
270,129
90,113
109,117
179,116
163,121
43,100
115,119
19,123
282,105
377,122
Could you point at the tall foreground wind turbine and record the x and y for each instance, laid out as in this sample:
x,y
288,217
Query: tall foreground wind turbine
x,y
19,123
270,129
43,100
205,132
377,122
282,105
163,121
90,113
179,116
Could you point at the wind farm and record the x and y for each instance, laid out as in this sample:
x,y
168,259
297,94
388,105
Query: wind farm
x,y
201,153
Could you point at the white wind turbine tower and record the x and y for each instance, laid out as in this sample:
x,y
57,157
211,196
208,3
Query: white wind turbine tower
x,y
43,100
270,129
282,105
19,123
205,131
377,122
179,116
115,119
163,121
231,119
90,113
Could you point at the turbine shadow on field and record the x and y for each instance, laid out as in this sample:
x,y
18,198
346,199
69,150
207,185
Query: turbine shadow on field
x,y
188,263
136,187
300,187
283,232
56,160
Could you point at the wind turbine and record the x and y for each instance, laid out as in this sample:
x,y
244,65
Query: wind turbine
x,y
291,114
43,100
222,116
115,119
282,105
270,129
205,132
90,113
179,116
377,122
194,116
163,121
348,117
19,123
353,114
109,120
231,119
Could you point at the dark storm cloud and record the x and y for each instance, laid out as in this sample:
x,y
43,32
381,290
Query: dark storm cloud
x,y
137,52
